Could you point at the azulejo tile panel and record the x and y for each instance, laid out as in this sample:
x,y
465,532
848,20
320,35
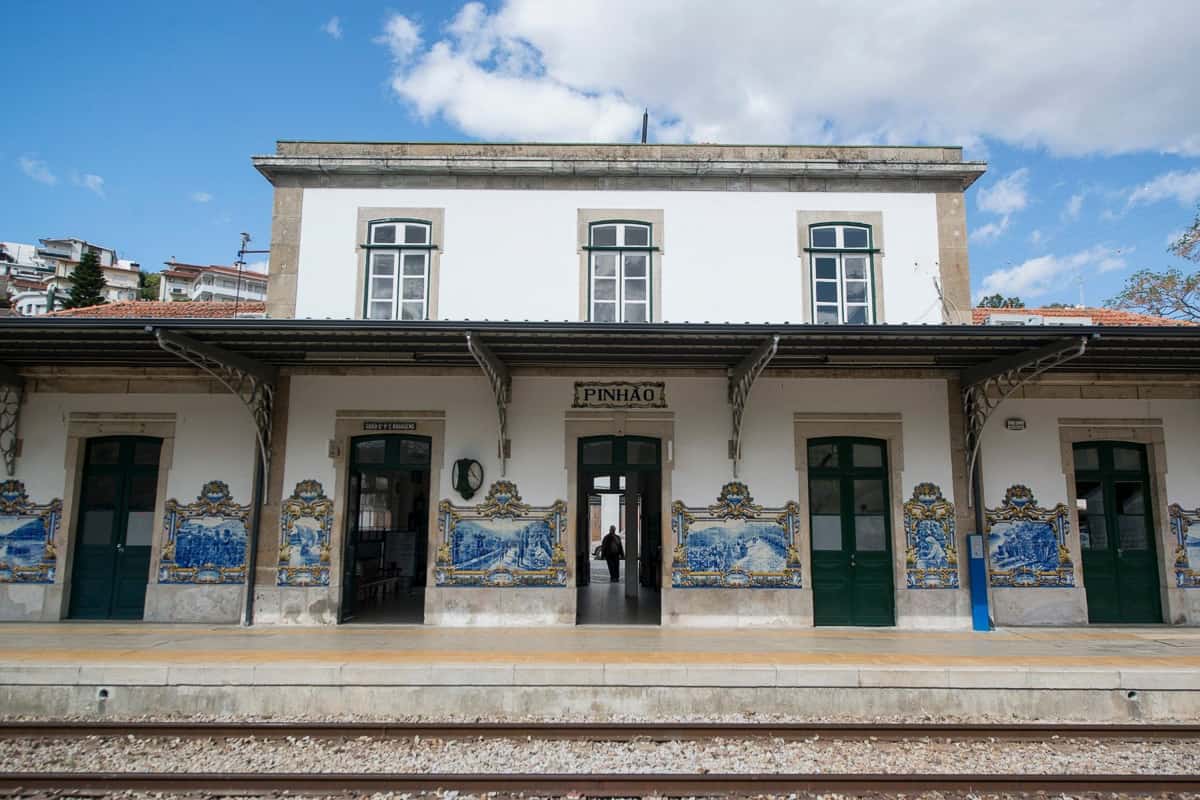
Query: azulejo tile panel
x,y
735,544
501,542
1027,545
931,552
1186,527
205,541
27,536
305,528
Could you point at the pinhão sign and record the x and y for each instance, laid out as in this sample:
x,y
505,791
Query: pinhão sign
x,y
620,394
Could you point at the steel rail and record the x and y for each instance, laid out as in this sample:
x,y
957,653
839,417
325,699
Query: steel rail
x,y
590,785
595,731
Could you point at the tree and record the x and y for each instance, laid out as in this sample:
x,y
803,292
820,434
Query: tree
x,y
1171,293
87,283
1059,305
148,285
1000,301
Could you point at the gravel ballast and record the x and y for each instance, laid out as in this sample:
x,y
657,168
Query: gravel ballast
x,y
488,755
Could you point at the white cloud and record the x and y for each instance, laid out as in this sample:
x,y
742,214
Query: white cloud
x,y
257,266
38,170
1043,274
200,197
93,183
333,27
907,71
402,36
1183,187
1037,238
990,231
1006,195
1073,208
489,84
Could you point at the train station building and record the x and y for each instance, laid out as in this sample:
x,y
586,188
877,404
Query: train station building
x,y
756,365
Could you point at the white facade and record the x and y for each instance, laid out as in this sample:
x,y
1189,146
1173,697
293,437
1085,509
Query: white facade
x,y
515,254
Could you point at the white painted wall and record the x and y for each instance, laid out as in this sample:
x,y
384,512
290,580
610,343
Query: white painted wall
x,y
512,254
702,429
213,440
1033,456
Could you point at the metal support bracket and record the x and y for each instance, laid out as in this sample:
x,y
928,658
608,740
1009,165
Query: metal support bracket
x,y
986,386
252,381
741,381
498,376
11,389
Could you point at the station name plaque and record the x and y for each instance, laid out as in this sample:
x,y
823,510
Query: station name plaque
x,y
620,394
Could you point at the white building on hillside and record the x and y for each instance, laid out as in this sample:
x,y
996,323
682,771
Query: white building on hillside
x,y
211,283
64,255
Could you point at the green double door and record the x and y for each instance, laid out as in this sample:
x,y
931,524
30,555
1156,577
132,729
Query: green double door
x,y
851,532
1116,533
115,528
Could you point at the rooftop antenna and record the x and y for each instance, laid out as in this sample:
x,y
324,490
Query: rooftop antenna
x,y
241,264
645,123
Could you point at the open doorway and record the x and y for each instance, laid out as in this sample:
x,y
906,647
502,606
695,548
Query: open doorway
x,y
387,530
619,531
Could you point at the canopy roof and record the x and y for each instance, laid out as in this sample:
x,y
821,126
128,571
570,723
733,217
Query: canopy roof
x,y
41,342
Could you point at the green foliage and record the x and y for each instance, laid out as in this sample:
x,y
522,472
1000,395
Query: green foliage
x,y
1188,245
148,285
87,283
1000,301
1170,294
1059,305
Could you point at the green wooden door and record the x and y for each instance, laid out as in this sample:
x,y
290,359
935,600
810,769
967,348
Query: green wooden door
x,y
851,532
1116,533
115,528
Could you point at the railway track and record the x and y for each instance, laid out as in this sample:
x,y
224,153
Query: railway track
x,y
612,785
597,731
590,785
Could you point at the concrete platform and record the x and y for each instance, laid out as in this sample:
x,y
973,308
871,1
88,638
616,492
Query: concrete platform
x,y
1083,674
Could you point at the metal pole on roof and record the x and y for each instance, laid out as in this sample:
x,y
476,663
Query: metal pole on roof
x,y
240,264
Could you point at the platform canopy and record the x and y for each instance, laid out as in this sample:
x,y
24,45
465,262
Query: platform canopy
x,y
58,342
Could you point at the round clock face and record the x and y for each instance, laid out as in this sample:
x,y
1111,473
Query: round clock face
x,y
475,475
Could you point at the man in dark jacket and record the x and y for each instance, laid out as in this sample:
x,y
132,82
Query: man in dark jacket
x,y
613,552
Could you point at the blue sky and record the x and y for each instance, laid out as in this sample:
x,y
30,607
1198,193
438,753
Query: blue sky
x,y
132,124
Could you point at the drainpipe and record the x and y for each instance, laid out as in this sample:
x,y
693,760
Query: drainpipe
x,y
252,561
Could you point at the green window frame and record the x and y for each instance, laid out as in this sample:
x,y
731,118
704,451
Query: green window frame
x,y
842,263
620,271
398,253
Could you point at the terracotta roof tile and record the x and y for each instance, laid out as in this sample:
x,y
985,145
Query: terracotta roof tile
x,y
155,309
1098,316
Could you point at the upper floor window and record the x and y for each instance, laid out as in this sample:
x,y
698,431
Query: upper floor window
x,y
619,273
842,274
398,269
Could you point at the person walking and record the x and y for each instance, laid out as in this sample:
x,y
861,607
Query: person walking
x,y
613,552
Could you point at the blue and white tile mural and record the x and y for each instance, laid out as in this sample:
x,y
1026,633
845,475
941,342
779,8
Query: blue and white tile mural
x,y
1186,527
305,528
735,544
501,542
1027,545
205,541
27,536
931,553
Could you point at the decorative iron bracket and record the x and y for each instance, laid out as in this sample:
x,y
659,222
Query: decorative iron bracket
x,y
741,381
11,389
252,381
498,376
986,386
